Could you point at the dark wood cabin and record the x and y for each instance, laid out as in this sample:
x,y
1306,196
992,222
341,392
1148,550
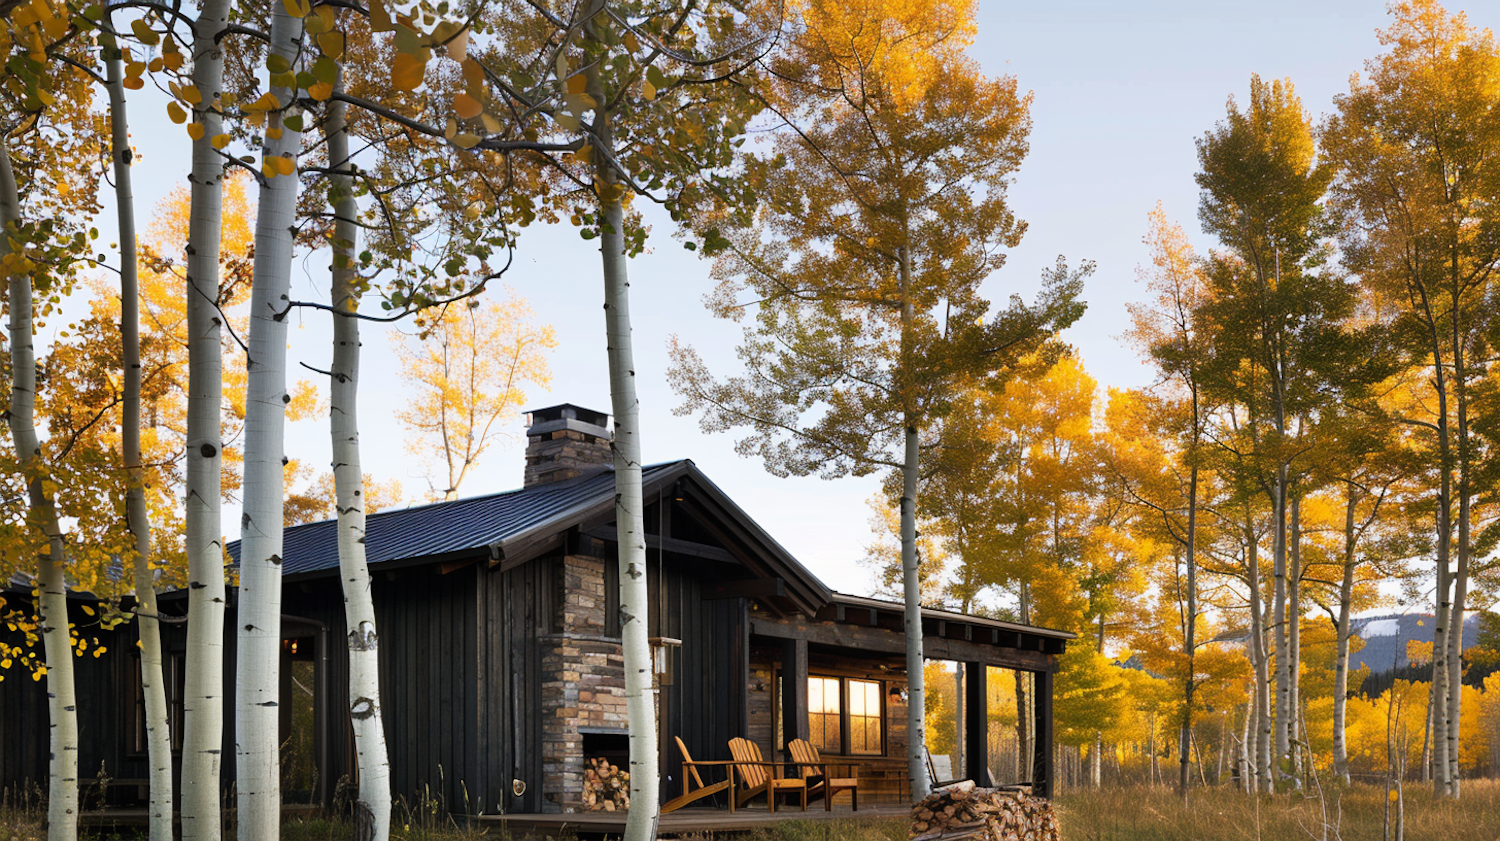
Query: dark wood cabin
x,y
500,654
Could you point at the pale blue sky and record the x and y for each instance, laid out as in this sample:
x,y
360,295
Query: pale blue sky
x,y
1121,91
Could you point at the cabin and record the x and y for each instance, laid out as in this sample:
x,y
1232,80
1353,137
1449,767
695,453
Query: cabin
x,y
501,666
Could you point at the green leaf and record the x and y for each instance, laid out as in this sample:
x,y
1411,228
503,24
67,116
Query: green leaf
x,y
278,63
293,122
326,70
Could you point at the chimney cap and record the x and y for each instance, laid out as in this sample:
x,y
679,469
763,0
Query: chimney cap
x,y
567,416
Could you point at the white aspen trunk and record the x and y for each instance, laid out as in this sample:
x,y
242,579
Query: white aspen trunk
x,y
258,661
153,684
1247,747
52,606
1461,577
1282,719
373,810
1294,640
1437,699
1263,725
960,743
916,704
1190,622
1341,641
630,527
203,684
911,579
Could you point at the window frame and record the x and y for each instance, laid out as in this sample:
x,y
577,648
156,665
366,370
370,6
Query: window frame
x,y
845,728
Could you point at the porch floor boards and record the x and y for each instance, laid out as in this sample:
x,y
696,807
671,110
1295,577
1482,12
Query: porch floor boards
x,y
688,822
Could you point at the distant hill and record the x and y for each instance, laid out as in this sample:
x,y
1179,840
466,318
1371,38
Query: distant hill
x,y
1385,638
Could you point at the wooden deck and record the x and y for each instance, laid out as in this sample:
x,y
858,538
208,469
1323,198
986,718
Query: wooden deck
x,y
684,823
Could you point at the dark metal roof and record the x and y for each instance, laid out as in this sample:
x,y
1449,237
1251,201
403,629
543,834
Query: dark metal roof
x,y
462,528
513,527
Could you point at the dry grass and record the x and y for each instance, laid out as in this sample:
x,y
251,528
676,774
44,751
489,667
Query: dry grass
x,y
1353,814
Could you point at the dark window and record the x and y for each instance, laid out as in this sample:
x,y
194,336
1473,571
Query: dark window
x,y
612,597
173,675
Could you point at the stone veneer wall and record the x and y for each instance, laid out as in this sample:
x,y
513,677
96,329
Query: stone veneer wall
x,y
583,681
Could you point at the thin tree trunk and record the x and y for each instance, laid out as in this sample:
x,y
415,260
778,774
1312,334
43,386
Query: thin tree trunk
x,y
203,685
258,658
910,573
52,605
1294,633
960,726
640,692
153,684
1461,578
373,808
1263,737
1282,720
1341,661
1189,626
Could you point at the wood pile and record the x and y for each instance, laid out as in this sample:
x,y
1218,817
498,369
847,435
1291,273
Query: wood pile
x,y
963,811
606,787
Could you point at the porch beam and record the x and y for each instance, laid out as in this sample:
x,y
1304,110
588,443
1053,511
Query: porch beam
x,y
886,641
794,723
976,723
1042,724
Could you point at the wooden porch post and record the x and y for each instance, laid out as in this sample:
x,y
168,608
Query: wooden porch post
x,y
1042,761
742,670
793,691
976,723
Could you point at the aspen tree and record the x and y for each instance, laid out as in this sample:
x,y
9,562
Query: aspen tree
x,y
882,209
374,803
1414,144
257,663
153,683
203,687
45,186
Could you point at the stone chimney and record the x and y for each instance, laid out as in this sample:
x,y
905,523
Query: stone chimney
x,y
566,441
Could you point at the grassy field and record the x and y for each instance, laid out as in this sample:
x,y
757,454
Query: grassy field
x,y
1127,814
1355,814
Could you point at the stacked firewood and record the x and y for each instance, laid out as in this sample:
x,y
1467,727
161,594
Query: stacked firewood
x,y
963,811
606,787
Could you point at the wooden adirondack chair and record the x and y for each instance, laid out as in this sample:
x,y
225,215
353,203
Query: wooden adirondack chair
x,y
758,776
693,788
820,783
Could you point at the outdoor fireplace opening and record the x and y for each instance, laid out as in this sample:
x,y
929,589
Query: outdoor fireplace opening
x,y
613,745
606,759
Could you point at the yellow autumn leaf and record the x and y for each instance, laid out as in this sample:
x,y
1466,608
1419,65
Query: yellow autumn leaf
x,y
465,140
648,90
467,107
320,91
297,8
173,61
191,95
266,102
577,83
219,141
331,43
273,133
195,131
86,609
143,32
406,72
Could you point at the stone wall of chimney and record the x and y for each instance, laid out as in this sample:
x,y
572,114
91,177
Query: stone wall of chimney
x,y
583,683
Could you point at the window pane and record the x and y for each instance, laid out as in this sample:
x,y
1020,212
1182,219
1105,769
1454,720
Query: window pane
x,y
865,732
823,713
